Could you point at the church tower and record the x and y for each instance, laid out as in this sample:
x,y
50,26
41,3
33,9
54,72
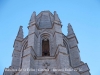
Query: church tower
x,y
46,50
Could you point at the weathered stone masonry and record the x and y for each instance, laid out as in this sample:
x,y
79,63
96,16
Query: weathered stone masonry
x,y
46,47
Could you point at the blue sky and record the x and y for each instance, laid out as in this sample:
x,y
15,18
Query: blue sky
x,y
84,16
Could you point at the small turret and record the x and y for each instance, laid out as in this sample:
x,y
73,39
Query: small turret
x,y
19,36
56,18
20,33
33,18
70,29
16,56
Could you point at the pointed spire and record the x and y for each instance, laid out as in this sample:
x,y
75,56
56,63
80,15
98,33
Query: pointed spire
x,y
19,36
33,18
56,18
20,33
70,29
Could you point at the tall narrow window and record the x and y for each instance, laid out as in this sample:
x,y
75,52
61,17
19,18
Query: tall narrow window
x,y
45,47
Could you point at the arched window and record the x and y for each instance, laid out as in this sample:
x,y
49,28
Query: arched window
x,y
45,47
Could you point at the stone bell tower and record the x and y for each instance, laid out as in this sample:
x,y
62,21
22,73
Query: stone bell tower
x,y
46,50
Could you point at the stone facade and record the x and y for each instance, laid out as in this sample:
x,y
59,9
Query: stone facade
x,y
63,58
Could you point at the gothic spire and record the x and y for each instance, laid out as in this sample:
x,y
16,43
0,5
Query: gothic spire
x,y
19,37
20,33
70,29
56,18
33,18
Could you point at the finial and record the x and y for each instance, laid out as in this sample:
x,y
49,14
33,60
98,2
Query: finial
x,y
20,33
33,18
56,18
70,29
69,24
